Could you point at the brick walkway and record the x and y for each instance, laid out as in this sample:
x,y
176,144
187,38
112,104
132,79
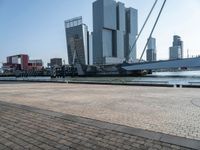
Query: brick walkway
x,y
23,127
164,110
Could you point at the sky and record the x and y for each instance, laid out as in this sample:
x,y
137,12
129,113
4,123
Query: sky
x,y
36,27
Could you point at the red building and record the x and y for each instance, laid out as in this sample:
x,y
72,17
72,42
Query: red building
x,y
22,62
35,64
17,62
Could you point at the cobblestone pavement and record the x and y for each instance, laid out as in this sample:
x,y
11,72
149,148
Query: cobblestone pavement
x,y
166,110
24,127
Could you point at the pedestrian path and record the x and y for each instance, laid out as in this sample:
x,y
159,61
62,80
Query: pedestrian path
x,y
23,127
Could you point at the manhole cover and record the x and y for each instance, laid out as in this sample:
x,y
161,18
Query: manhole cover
x,y
196,102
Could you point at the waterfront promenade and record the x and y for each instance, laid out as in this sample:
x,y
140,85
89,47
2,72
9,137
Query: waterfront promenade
x,y
98,116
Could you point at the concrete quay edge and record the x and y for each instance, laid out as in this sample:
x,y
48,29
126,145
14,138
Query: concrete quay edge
x,y
150,84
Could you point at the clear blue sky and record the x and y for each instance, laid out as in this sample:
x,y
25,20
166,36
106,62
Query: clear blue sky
x,y
36,27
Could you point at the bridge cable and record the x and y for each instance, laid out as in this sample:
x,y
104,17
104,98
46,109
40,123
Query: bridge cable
x,y
135,42
153,29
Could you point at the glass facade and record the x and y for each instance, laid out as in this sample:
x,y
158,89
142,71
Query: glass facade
x,y
114,31
176,51
73,22
151,51
77,41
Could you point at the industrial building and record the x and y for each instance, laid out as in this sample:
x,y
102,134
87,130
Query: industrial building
x,y
151,50
77,37
176,51
114,32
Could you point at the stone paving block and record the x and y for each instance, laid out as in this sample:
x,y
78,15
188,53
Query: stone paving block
x,y
24,128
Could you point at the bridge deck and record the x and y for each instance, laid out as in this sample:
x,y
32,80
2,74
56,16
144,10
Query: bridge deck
x,y
169,64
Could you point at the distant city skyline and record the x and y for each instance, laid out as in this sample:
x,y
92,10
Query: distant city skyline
x,y
37,28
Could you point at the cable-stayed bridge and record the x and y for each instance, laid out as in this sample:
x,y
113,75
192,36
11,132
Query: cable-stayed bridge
x,y
167,64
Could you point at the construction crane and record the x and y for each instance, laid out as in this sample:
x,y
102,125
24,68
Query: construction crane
x,y
157,19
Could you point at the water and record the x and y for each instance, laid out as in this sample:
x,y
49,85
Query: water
x,y
178,74
168,78
172,78
180,77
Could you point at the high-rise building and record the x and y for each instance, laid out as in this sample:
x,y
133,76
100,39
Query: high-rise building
x,y
90,49
176,51
178,42
131,33
77,41
151,50
114,32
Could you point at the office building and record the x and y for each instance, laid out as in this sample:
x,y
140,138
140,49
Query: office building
x,y
36,64
22,62
114,32
178,42
17,62
176,51
131,33
55,62
77,41
91,49
151,50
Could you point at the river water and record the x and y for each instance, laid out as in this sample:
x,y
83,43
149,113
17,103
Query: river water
x,y
181,77
178,74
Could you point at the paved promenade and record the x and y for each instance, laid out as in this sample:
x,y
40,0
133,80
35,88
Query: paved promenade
x,y
23,127
164,111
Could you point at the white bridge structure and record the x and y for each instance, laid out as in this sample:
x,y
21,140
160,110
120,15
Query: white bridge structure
x,y
167,64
